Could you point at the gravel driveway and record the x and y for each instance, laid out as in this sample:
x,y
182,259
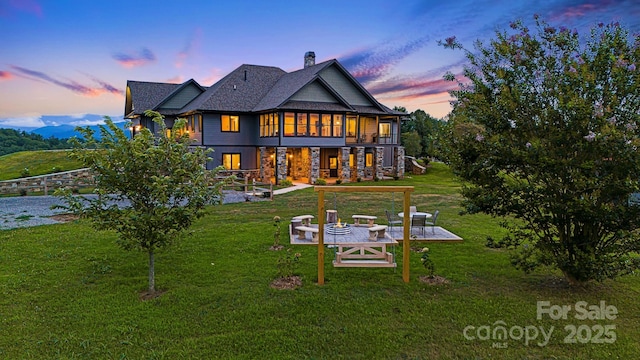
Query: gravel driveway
x,y
25,211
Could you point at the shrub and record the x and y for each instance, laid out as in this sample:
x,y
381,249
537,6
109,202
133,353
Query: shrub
x,y
359,179
23,192
25,172
321,182
339,181
427,262
287,264
286,182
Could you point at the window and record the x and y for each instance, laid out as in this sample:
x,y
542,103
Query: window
x,y
384,129
273,124
326,125
230,123
314,124
301,124
231,161
289,124
368,159
351,126
263,124
337,125
351,162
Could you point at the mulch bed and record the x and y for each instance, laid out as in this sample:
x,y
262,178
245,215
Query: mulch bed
x,y
287,283
433,280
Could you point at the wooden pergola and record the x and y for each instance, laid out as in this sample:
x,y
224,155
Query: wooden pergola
x,y
406,190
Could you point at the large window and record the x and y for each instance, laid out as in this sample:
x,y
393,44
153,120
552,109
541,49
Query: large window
x,y
368,159
352,123
289,124
230,123
326,125
314,124
269,124
301,124
384,129
337,125
231,161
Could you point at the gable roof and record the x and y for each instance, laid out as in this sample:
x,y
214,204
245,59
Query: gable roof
x,y
239,91
144,95
254,88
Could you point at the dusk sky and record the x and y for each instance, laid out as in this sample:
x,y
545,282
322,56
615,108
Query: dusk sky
x,y
64,57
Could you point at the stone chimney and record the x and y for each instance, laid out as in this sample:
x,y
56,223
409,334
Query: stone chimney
x,y
309,59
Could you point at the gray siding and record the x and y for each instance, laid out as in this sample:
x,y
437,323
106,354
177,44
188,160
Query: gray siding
x,y
314,92
212,131
344,87
248,157
182,98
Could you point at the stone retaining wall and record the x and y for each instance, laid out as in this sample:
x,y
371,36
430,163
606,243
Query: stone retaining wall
x,y
47,183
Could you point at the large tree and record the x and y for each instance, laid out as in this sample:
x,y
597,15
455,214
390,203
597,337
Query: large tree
x,y
150,189
545,132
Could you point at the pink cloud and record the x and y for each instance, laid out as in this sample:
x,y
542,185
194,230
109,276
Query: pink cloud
x,y
581,10
412,88
5,75
143,57
175,80
7,8
68,84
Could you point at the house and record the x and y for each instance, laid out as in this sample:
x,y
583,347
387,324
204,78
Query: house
x,y
267,124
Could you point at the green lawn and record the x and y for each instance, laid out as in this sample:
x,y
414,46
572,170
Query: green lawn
x,y
68,292
38,162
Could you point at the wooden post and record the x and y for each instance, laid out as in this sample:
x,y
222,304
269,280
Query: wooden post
x,y
321,237
46,190
406,246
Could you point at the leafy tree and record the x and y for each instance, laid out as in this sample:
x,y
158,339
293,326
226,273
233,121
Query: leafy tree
x,y
411,143
427,128
150,189
545,132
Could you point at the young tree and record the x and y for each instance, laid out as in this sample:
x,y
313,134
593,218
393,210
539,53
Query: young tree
x,y
150,189
546,132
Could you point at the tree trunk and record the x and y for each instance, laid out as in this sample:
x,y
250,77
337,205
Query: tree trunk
x,y
152,273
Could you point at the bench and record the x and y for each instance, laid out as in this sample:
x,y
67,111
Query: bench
x,y
302,233
306,219
376,232
370,219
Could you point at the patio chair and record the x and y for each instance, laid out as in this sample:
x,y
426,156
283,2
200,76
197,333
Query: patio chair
x,y
433,221
392,219
419,221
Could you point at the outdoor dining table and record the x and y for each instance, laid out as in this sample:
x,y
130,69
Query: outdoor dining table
x,y
411,214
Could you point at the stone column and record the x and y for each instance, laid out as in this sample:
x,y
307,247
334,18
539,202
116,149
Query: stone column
x,y
344,171
281,164
264,162
360,161
398,166
314,169
378,157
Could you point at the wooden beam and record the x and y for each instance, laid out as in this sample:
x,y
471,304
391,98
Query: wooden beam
x,y
321,218
406,245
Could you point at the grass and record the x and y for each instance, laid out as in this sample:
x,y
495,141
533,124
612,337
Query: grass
x,y
39,162
69,292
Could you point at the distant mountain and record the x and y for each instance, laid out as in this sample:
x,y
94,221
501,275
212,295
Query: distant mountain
x,y
67,131
59,126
